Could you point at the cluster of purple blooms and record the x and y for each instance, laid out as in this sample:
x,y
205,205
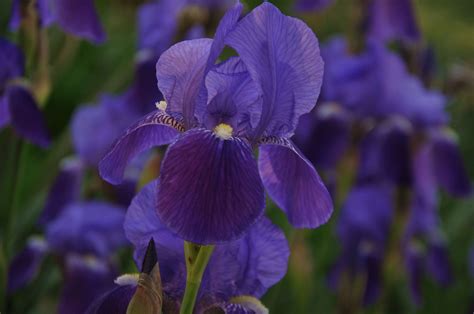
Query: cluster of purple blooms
x,y
214,114
374,111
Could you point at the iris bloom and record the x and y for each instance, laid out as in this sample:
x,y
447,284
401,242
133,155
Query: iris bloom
x,y
18,108
77,17
363,230
239,272
212,188
82,235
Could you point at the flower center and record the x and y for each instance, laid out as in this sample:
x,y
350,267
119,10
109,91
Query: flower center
x,y
223,131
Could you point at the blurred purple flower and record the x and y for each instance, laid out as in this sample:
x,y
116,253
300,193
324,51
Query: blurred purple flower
x,y
83,235
211,188
324,135
159,21
363,230
312,5
246,267
77,17
85,279
18,107
376,83
392,20
425,250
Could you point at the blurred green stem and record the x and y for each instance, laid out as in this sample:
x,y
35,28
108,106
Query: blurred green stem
x,y
197,257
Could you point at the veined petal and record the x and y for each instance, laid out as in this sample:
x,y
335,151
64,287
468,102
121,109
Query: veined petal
x,y
282,55
25,116
293,183
80,18
210,188
156,128
180,74
113,302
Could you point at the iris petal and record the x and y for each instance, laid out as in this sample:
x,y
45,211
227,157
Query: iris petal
x,y
293,183
80,18
156,128
210,188
282,56
25,116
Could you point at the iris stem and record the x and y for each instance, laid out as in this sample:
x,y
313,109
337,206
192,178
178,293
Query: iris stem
x,y
197,257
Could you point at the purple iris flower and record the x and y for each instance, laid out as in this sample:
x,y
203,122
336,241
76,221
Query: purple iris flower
x,y
363,230
83,235
212,188
392,20
18,108
245,267
376,83
77,17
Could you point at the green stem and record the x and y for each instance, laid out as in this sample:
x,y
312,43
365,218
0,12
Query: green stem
x,y
197,258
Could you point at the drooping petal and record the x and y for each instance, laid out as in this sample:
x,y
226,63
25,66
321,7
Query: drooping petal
x,y
210,188
43,7
85,280
79,17
87,228
293,183
156,128
180,74
282,56
392,20
25,116
65,190
438,264
449,168
12,64
25,265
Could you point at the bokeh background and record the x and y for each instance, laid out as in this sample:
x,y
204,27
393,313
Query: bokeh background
x,y
81,71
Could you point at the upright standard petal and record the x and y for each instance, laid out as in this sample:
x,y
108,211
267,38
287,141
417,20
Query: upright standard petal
x,y
293,183
79,17
282,55
156,128
25,116
180,73
232,98
210,188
